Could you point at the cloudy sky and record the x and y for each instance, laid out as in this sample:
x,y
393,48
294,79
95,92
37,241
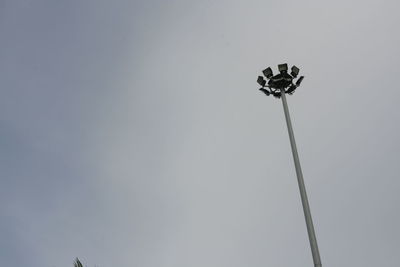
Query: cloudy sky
x,y
132,133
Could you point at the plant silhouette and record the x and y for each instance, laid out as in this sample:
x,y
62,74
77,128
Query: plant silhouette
x,y
77,263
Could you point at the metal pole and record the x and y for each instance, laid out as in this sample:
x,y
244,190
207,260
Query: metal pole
x,y
303,193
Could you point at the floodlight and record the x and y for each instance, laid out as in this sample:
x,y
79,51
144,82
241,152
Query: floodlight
x,y
295,71
282,68
268,72
299,81
261,81
291,89
277,94
265,91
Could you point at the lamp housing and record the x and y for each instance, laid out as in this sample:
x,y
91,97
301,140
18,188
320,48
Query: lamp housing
x,y
265,91
295,71
283,68
261,81
291,89
268,73
299,81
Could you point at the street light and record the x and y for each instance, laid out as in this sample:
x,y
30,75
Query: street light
x,y
268,73
295,71
299,81
278,86
282,68
261,81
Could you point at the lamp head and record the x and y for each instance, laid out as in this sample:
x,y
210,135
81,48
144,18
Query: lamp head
x,y
261,81
291,89
277,94
295,71
299,81
265,91
268,73
283,68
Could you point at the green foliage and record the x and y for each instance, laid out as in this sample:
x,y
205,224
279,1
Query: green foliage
x,y
77,263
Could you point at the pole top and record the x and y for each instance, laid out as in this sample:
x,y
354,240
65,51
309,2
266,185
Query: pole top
x,y
281,82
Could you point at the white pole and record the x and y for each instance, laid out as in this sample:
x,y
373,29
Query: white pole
x,y
303,193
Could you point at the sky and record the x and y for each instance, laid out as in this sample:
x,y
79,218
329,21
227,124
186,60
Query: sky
x,y
132,133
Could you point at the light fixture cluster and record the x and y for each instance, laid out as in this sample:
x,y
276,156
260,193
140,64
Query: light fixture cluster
x,y
282,81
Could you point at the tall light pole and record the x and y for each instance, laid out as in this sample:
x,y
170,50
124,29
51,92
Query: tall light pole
x,y
278,86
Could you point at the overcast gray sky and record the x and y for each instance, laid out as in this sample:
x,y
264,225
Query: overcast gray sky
x,y
132,133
